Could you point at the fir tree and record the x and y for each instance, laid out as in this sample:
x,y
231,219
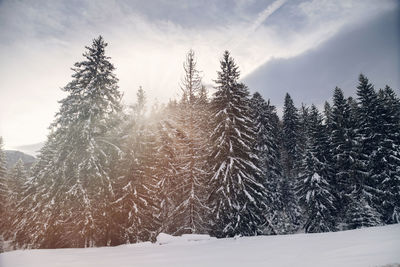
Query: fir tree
x,y
314,190
267,149
136,203
361,214
189,216
166,165
369,138
75,203
33,220
387,160
365,139
237,194
291,138
344,150
17,178
15,183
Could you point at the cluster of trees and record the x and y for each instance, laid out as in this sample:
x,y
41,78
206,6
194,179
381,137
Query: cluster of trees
x,y
224,166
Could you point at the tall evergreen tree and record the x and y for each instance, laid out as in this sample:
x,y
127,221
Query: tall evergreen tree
x,y
80,189
368,134
136,202
237,195
364,188
189,216
369,138
267,149
387,161
314,190
166,164
343,147
291,138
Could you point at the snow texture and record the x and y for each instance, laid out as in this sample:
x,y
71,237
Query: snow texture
x,y
163,238
375,246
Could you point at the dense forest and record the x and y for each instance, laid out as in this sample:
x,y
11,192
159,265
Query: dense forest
x,y
223,164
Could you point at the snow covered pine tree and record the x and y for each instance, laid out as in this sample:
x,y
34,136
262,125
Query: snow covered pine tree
x,y
291,139
237,195
71,195
314,190
387,160
136,205
365,196
189,216
268,151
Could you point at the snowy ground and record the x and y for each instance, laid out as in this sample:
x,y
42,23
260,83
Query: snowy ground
x,y
377,246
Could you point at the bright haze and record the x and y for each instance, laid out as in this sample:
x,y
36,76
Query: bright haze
x,y
301,47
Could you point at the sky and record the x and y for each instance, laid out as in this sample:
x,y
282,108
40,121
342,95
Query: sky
x,y
148,40
371,48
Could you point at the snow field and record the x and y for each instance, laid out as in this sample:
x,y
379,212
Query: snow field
x,y
375,247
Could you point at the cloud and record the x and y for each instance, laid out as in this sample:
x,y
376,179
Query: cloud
x,y
372,48
265,14
148,41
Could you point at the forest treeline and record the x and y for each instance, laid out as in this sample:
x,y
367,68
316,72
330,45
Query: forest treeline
x,y
223,165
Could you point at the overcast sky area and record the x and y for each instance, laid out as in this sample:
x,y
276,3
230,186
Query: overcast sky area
x,y
301,47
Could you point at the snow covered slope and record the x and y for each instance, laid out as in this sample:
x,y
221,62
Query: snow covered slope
x,y
377,246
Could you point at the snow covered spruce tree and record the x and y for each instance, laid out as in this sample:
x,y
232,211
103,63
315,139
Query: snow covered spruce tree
x,y
71,194
267,148
167,158
314,190
368,134
293,142
189,215
361,210
32,220
368,138
237,192
361,214
136,205
16,179
291,139
387,161
344,151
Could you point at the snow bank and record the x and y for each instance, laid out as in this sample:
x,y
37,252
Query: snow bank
x,y
375,247
163,238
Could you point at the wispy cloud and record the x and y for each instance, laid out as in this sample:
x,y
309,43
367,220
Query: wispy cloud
x,y
262,16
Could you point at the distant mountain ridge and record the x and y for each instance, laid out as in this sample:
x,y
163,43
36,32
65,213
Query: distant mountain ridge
x,y
32,149
12,156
